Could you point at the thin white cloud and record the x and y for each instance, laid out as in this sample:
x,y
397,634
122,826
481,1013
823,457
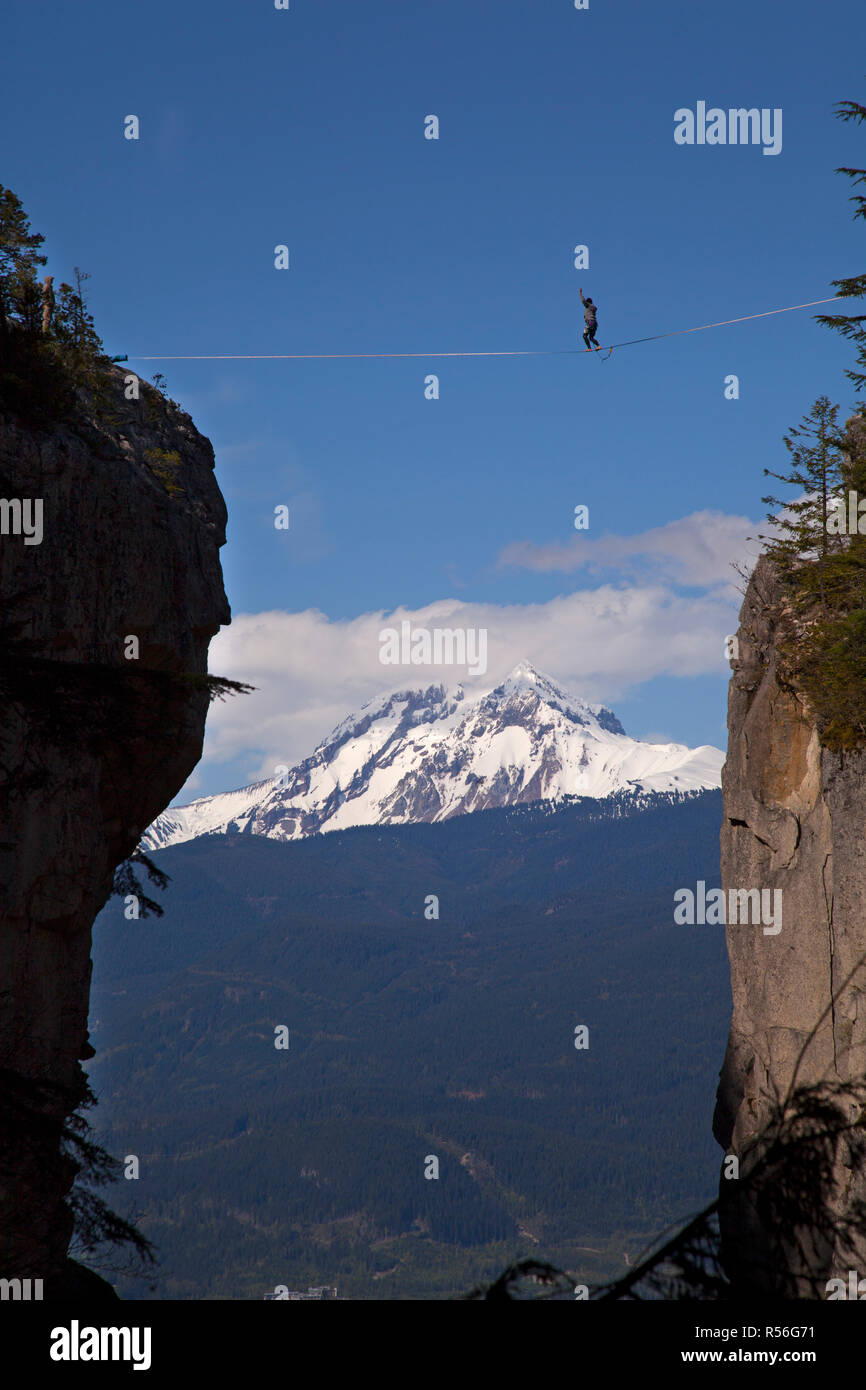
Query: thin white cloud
x,y
696,550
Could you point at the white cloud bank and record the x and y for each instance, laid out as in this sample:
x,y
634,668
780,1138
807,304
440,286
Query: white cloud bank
x,y
310,672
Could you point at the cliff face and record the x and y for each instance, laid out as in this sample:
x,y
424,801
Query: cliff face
x,y
93,744
795,820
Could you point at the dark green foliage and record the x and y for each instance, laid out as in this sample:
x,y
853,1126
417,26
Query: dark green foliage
x,y
40,372
72,322
801,531
126,882
220,687
831,672
19,258
35,383
98,1229
821,621
31,1131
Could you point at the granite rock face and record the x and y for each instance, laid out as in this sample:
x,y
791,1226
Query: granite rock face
x,y
94,742
794,820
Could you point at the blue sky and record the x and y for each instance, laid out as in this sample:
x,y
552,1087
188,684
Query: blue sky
x,y
306,128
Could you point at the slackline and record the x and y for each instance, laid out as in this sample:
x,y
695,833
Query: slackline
x,y
529,352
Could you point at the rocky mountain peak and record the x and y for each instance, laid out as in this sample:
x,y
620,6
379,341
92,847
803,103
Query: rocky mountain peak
x,y
427,754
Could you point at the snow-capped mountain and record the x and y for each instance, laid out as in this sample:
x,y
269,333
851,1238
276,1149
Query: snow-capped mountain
x,y
425,755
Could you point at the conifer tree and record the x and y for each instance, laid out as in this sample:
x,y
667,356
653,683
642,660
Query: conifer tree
x,y
73,322
19,258
802,545
822,564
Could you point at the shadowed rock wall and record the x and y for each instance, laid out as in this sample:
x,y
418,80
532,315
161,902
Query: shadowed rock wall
x,y
92,745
